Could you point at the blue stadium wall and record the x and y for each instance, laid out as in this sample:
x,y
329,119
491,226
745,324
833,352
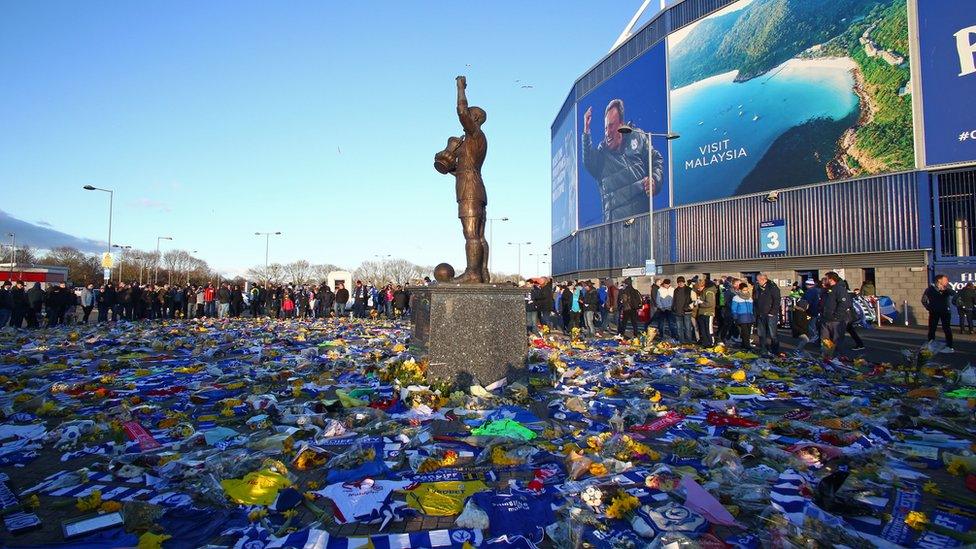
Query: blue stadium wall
x,y
887,220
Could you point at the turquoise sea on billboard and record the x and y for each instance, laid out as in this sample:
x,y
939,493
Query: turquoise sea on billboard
x,y
733,124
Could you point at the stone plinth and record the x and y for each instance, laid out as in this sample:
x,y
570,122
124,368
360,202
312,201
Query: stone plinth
x,y
471,333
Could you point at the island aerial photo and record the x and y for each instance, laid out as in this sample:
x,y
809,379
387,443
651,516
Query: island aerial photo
x,y
774,93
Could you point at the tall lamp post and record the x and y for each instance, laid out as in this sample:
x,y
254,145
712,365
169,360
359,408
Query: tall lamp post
x,y
625,129
121,258
111,198
537,258
519,245
158,258
13,254
267,248
188,270
491,237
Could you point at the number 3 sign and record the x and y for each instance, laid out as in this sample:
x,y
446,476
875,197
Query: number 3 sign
x,y
772,237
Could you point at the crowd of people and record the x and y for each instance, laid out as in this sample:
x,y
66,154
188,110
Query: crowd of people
x,y
730,310
34,307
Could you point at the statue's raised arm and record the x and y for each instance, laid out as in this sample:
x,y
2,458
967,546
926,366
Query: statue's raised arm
x,y
463,158
467,121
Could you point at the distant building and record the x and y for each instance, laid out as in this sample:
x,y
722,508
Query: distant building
x,y
29,274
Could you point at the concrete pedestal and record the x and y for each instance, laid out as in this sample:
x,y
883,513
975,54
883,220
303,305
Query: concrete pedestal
x,y
471,333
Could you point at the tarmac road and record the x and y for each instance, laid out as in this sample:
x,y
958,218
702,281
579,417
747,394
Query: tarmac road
x,y
887,344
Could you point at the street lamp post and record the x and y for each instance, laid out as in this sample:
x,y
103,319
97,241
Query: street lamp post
x,y
121,258
625,129
188,270
537,258
13,254
491,237
158,258
267,249
111,199
519,245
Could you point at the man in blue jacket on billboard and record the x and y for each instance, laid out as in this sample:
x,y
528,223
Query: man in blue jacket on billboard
x,y
619,165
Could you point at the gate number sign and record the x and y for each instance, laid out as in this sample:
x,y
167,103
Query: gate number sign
x,y
772,237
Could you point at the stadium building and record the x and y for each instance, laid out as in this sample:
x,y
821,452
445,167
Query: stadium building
x,y
792,137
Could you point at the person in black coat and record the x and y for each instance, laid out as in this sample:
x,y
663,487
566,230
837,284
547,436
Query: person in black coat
x,y
766,300
326,299
400,300
6,304
35,304
105,302
547,302
835,308
341,298
937,299
20,306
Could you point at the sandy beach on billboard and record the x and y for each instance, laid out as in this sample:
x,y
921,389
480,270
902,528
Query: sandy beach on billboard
x,y
827,66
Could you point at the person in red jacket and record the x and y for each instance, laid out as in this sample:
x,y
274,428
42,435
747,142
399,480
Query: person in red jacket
x,y
208,301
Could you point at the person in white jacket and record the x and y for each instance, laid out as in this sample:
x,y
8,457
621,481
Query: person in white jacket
x,y
665,309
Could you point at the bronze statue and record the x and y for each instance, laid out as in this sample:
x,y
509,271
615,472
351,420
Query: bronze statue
x,y
463,157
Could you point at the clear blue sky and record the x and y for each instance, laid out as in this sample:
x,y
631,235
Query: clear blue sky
x,y
213,120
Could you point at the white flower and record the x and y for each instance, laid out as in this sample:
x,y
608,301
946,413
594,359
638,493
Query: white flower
x,y
592,496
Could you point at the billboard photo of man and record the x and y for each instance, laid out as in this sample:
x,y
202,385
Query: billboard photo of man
x,y
619,164
616,178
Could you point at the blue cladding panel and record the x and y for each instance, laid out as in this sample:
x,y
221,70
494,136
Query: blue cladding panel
x,y
868,215
614,245
877,214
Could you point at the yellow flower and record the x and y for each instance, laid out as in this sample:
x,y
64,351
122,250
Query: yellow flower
x,y
47,408
739,375
916,520
956,467
109,507
621,505
90,502
500,457
152,541
33,502
931,488
598,469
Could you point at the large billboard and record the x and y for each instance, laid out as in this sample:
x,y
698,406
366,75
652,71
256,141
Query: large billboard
x,y
947,51
615,180
564,176
769,94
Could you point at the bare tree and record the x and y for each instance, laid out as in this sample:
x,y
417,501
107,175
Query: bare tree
x,y
25,255
398,271
171,259
82,268
368,271
142,261
395,271
198,271
320,273
299,272
505,277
